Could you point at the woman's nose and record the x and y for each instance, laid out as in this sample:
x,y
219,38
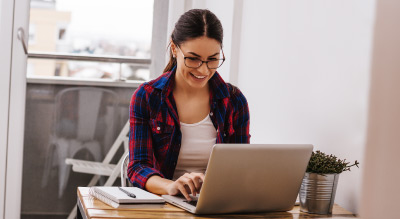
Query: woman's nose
x,y
203,69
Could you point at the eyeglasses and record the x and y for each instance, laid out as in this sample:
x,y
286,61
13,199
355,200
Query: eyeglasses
x,y
193,62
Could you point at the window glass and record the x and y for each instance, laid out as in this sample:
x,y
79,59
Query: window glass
x,y
90,28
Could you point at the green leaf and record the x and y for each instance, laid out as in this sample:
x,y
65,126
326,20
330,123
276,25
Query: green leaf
x,y
322,163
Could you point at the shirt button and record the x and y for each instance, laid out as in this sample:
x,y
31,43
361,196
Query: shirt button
x,y
224,135
158,128
211,114
217,130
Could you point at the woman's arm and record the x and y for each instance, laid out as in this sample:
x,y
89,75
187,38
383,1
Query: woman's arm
x,y
158,185
141,150
189,183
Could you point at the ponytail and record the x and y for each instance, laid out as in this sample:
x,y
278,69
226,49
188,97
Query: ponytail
x,y
171,62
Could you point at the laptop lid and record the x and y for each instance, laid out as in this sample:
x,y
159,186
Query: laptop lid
x,y
253,178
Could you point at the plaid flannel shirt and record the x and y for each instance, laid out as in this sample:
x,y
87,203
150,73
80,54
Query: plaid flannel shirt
x,y
155,136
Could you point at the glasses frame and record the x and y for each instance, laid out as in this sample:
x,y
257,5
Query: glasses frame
x,y
184,60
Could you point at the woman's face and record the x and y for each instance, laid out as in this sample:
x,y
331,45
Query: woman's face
x,y
202,48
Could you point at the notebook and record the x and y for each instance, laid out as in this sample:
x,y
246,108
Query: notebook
x,y
116,198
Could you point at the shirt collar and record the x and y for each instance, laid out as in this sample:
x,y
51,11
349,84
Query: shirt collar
x,y
165,83
218,86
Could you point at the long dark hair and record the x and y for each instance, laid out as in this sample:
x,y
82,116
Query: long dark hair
x,y
192,24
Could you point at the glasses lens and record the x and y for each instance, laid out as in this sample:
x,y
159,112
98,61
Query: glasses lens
x,y
215,64
192,62
195,63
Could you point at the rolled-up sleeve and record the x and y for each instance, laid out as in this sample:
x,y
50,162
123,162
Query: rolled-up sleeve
x,y
141,152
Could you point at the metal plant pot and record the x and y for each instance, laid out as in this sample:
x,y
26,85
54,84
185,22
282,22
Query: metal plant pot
x,y
317,193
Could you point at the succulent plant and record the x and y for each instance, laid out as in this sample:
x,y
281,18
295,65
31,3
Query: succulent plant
x,y
322,163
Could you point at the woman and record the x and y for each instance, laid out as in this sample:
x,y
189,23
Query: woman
x,y
177,118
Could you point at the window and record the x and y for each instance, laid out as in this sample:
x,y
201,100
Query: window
x,y
61,33
104,39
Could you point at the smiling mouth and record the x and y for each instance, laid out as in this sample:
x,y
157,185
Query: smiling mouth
x,y
197,76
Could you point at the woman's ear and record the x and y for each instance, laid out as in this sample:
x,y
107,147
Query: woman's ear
x,y
173,49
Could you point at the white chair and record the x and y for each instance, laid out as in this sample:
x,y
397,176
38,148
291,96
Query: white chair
x,y
104,168
124,171
79,112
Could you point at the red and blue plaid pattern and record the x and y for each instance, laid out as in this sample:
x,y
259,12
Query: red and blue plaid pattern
x,y
155,136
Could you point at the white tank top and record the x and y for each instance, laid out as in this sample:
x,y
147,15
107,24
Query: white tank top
x,y
197,142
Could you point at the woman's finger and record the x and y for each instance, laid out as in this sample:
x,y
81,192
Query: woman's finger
x,y
197,183
202,176
189,182
198,179
183,191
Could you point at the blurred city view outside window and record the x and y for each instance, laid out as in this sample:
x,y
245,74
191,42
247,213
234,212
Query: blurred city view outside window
x,y
111,28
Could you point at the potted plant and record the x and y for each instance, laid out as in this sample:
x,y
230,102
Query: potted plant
x,y
318,189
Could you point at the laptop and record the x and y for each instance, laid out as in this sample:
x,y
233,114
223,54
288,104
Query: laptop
x,y
249,178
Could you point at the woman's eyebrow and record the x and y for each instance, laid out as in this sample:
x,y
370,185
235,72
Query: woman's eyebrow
x,y
214,54
197,55
194,54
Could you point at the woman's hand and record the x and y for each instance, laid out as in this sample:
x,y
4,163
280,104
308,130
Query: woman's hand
x,y
189,183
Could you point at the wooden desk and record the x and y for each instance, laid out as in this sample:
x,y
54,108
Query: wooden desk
x,y
90,207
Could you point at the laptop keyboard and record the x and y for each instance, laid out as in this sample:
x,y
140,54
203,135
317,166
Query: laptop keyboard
x,y
193,202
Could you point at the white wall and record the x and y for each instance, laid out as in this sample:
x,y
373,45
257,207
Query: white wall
x,y
381,189
304,68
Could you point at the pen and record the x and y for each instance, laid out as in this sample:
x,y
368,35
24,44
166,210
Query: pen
x,y
130,194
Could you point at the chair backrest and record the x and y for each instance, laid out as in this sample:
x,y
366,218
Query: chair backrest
x,y
124,171
86,114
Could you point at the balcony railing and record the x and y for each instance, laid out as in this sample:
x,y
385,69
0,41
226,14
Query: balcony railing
x,y
91,58
119,82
